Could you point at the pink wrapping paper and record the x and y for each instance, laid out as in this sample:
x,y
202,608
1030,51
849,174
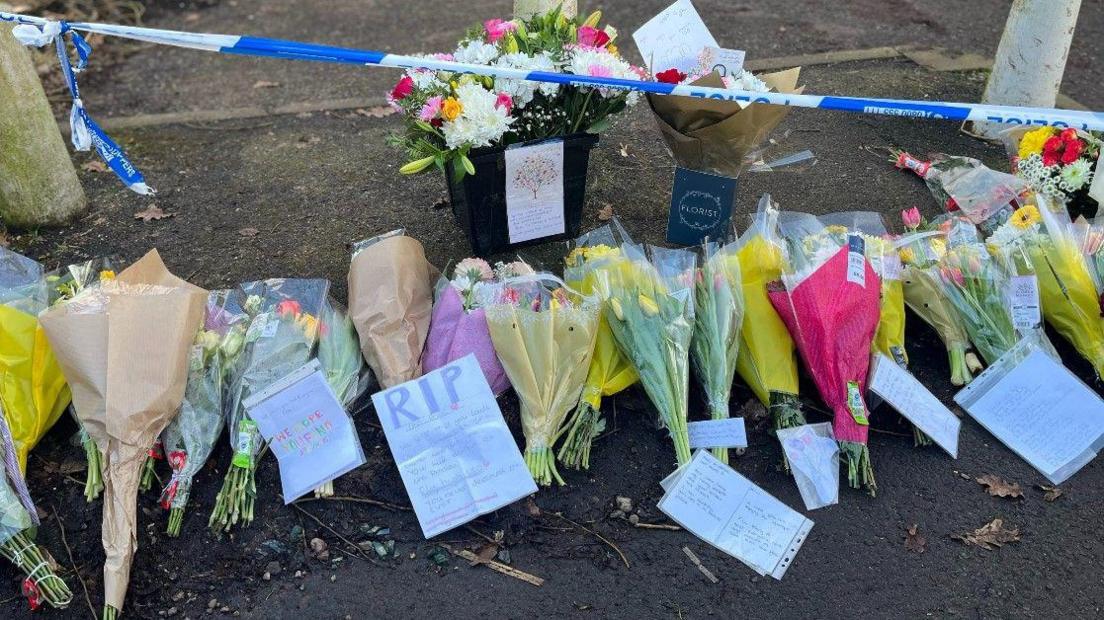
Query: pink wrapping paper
x,y
454,333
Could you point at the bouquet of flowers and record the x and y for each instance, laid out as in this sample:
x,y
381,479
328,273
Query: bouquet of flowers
x,y
447,115
340,361
587,269
1058,164
1038,242
282,334
920,252
718,317
984,195
719,136
829,301
33,391
191,436
458,326
545,339
650,310
125,390
766,361
390,302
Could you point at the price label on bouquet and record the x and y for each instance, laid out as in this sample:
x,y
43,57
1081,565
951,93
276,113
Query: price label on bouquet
x,y
701,207
535,191
454,451
856,260
1023,297
308,429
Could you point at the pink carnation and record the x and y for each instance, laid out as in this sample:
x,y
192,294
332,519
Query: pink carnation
x,y
599,71
505,102
431,108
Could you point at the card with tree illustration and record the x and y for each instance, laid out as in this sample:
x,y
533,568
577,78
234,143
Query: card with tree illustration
x,y
535,191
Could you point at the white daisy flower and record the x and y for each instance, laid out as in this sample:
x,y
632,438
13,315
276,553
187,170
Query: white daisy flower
x,y
1077,175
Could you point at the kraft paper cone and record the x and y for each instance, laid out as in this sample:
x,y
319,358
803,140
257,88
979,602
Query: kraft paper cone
x,y
124,350
390,303
717,136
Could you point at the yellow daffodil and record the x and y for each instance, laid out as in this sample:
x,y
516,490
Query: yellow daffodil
x,y
107,275
1025,217
908,257
1033,141
451,109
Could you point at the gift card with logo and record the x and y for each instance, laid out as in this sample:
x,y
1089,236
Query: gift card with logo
x,y
701,206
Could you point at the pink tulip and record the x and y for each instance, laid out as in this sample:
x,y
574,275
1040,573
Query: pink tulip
x,y
911,217
497,28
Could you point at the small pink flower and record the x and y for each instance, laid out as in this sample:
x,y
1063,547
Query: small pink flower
x,y
599,71
911,218
505,102
431,108
510,296
497,28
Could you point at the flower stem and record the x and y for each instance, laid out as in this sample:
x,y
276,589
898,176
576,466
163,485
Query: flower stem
x,y
37,565
149,474
860,472
93,480
583,430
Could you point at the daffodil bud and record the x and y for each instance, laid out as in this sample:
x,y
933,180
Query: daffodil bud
x,y
618,312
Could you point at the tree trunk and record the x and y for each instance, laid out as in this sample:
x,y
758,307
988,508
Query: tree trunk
x,y
38,185
1031,57
524,9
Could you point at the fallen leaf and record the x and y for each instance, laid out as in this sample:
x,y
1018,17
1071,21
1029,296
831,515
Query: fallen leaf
x,y
265,84
605,213
248,232
1050,493
68,466
914,541
532,508
990,536
999,487
624,150
152,212
485,554
94,166
379,111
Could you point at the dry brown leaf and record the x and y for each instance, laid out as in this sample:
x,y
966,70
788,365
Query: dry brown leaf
x,y
94,166
990,536
248,232
1050,493
605,213
999,487
378,111
532,508
266,84
151,213
624,150
914,541
485,554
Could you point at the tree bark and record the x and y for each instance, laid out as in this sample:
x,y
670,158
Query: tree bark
x,y
38,184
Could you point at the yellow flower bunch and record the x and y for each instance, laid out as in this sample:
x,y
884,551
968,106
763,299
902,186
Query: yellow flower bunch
x,y
1033,141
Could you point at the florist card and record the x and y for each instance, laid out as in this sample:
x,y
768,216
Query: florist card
x,y
308,429
535,191
701,207
674,39
454,451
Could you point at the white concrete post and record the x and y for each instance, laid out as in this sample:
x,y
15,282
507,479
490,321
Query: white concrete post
x,y
524,9
1031,57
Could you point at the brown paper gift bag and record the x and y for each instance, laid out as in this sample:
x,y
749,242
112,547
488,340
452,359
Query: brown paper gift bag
x,y
390,302
718,136
124,349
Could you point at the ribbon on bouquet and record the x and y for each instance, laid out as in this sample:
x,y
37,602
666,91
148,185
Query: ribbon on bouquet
x,y
280,48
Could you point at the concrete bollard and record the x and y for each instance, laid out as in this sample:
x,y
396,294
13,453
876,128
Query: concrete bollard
x,y
524,9
1031,57
38,184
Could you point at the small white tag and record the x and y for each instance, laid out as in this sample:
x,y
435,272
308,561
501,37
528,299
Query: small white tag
x,y
1096,190
270,329
724,61
1023,300
725,433
856,260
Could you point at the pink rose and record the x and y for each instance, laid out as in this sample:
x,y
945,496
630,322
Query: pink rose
x,y
497,28
505,102
592,37
431,108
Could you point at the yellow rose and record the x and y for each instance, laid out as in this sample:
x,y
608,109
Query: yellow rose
x,y
1033,141
451,109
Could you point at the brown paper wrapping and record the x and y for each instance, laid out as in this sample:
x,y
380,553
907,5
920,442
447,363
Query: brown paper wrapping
x,y
717,136
390,302
127,364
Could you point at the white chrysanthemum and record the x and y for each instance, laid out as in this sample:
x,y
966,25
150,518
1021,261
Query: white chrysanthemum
x,y
522,91
1077,175
746,81
424,78
599,62
480,123
476,53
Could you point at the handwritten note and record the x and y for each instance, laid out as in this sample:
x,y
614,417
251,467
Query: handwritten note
x,y
916,403
674,39
723,508
1023,300
454,451
724,61
811,450
535,191
1040,410
308,430
726,433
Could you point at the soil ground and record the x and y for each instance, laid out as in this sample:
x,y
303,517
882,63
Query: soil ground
x,y
310,184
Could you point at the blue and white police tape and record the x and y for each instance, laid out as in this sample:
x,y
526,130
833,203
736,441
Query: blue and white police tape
x,y
278,48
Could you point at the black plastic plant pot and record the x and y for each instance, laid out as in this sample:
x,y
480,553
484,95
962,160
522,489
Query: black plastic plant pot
x,y
479,200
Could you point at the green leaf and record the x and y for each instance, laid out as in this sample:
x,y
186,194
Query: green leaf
x,y
599,126
424,126
417,165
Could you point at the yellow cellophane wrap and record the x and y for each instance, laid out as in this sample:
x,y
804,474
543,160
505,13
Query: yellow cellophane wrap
x,y
609,371
766,362
890,337
32,386
1068,297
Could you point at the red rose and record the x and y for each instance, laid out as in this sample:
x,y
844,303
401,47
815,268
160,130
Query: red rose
x,y
671,76
1050,159
1072,151
403,89
1069,135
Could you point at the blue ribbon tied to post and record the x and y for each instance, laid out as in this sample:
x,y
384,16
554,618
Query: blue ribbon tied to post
x,y
84,132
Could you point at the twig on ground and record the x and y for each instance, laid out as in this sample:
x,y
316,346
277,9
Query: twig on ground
x,y
76,569
694,559
353,550
597,535
658,526
356,500
494,565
